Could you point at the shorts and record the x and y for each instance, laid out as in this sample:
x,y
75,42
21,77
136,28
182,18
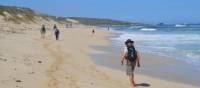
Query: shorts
x,y
130,67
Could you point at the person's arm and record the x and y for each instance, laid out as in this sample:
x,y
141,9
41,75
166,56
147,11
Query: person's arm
x,y
123,58
138,59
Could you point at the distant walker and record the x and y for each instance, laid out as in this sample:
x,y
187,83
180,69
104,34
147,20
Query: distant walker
x,y
57,32
93,32
43,31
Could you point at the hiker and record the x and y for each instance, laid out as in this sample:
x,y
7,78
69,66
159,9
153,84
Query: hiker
x,y
132,57
54,27
43,31
93,32
57,32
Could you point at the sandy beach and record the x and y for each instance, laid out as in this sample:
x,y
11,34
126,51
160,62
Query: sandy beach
x,y
27,61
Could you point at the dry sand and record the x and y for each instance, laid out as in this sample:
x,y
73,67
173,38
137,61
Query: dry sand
x,y
26,61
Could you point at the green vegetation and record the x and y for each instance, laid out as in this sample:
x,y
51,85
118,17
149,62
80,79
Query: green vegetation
x,y
97,21
27,15
17,14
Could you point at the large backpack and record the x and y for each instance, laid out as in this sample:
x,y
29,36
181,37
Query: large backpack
x,y
57,31
132,54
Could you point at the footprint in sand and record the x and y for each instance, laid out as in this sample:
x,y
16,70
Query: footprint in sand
x,y
52,72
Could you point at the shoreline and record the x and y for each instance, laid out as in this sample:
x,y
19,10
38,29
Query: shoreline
x,y
152,64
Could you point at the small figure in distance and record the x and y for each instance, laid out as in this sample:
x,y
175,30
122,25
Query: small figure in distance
x,y
43,31
57,33
93,32
54,26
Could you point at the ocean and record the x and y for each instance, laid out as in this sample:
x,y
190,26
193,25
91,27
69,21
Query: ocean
x,y
181,43
170,53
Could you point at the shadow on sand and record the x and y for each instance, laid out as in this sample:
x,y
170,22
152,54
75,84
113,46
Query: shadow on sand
x,y
143,85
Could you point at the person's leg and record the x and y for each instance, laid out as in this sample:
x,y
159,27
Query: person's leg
x,y
57,36
42,35
133,81
133,69
129,70
132,84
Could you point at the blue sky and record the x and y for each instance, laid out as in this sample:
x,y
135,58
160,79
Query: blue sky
x,y
146,11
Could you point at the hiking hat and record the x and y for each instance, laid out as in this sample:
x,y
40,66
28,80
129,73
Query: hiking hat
x,y
128,41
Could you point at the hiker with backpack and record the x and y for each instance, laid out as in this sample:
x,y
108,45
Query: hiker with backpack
x,y
93,32
43,31
132,57
57,33
54,27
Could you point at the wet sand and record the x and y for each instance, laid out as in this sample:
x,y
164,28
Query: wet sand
x,y
160,67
